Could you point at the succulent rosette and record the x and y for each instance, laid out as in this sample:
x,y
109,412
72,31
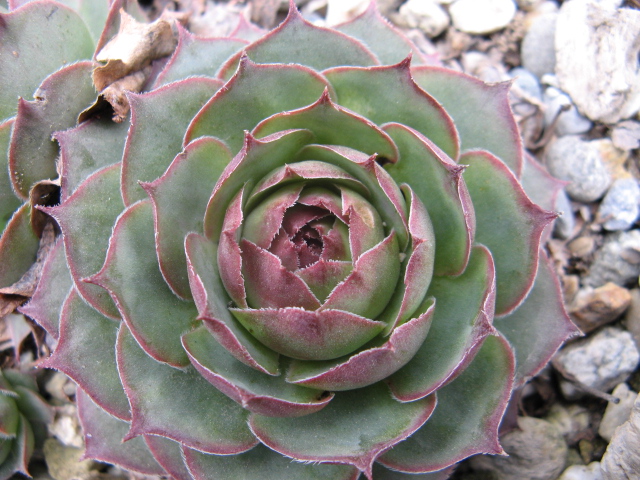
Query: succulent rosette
x,y
23,418
312,246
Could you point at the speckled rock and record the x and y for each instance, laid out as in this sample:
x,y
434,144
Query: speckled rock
x,y
482,16
594,307
537,451
580,162
538,45
569,122
617,413
618,260
620,207
600,361
426,15
583,472
621,461
573,421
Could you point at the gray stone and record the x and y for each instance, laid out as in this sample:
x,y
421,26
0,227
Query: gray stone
x,y
597,33
617,413
426,15
573,421
527,82
579,162
569,122
620,206
538,45
600,361
618,260
621,461
632,317
583,472
537,451
528,5
482,16
626,135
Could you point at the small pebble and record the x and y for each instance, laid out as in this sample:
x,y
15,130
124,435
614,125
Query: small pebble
x,y
583,472
426,15
528,5
600,361
617,413
527,82
569,122
621,461
580,162
538,49
593,308
618,260
565,223
632,317
581,246
482,16
626,135
621,205
573,421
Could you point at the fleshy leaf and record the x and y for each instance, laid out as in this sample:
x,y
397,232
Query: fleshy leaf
x,y
539,326
158,121
33,154
356,427
9,202
86,219
158,318
308,335
256,159
474,104
255,92
438,182
389,94
197,56
388,43
255,391
195,170
196,414
508,223
18,246
86,353
461,321
87,148
298,41
103,436
372,363
382,473
38,39
168,454
467,417
212,302
53,287
9,418
260,463
20,453
332,125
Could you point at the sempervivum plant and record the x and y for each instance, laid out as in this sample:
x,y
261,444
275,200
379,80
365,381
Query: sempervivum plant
x,y
23,418
309,247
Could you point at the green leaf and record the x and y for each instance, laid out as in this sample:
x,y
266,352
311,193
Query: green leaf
x,y
21,451
85,149
197,56
266,394
9,202
437,181
86,219
254,93
158,121
58,100
389,94
481,112
86,353
467,417
298,41
539,326
37,40
18,246
156,318
354,428
382,473
462,319
9,418
103,436
196,171
168,454
179,404
260,463
508,223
